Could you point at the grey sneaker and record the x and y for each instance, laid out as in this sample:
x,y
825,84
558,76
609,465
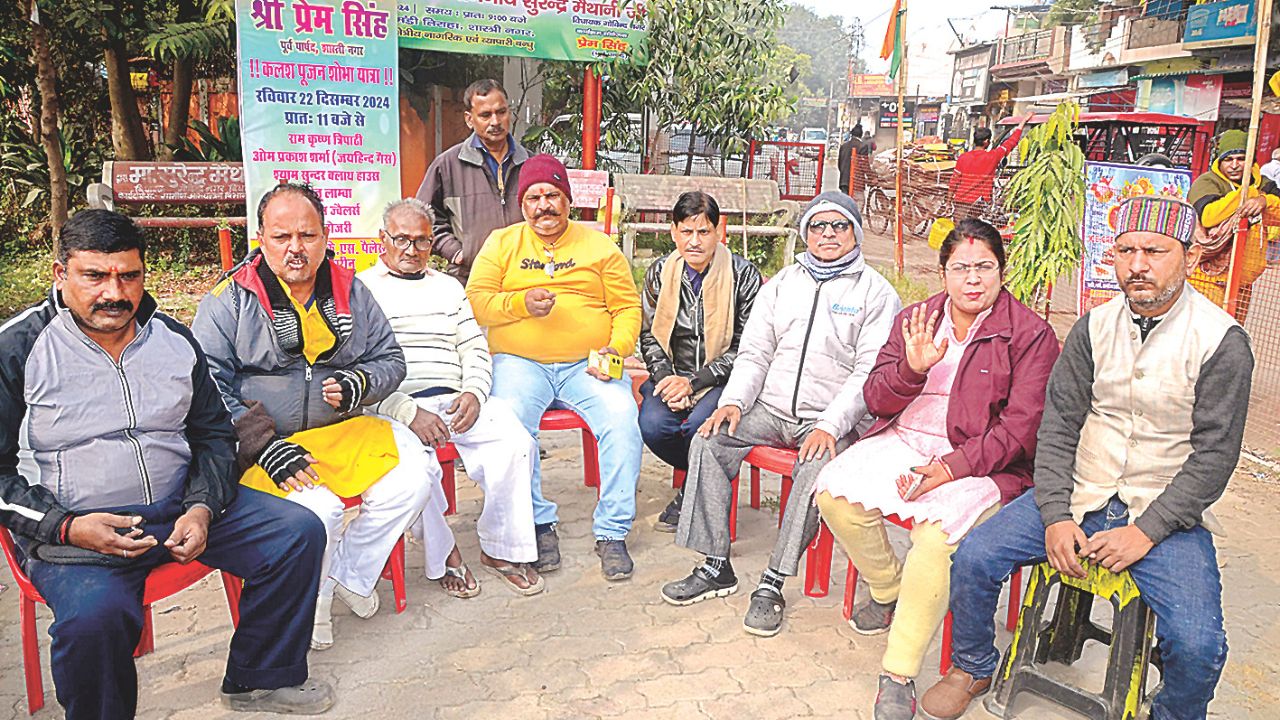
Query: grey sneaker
x,y
895,701
312,697
872,618
548,551
615,563
669,520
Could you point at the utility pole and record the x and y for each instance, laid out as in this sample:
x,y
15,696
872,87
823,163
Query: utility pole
x,y
898,254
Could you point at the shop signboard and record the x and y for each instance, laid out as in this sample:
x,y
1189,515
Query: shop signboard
x,y
1220,24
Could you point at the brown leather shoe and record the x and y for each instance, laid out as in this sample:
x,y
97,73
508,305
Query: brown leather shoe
x,y
950,697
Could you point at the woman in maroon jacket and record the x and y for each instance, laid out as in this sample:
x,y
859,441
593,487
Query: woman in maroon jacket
x,y
957,395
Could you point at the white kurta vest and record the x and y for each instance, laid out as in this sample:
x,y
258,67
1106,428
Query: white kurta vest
x,y
1137,434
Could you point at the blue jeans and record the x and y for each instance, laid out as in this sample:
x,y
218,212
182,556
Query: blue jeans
x,y
667,432
275,546
610,411
1178,579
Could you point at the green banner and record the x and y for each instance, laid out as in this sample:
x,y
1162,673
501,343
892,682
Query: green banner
x,y
581,30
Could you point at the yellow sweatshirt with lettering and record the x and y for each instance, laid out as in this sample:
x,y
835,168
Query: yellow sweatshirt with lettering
x,y
596,300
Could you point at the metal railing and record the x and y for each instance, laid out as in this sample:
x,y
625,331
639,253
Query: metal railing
x,y
1153,32
1028,47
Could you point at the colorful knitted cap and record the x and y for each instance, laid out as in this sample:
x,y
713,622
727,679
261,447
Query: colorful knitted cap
x,y
1163,215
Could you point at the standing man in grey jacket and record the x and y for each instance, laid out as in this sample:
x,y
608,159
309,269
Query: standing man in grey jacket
x,y
812,338
471,187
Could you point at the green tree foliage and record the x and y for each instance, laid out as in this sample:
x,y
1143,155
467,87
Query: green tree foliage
x,y
829,45
1048,196
709,63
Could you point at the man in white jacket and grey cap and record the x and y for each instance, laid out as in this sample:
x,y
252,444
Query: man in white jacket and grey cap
x,y
808,346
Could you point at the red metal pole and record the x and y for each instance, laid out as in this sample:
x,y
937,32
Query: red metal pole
x,y
608,211
590,125
590,118
224,248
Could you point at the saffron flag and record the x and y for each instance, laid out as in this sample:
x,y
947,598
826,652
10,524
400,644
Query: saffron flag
x,y
892,45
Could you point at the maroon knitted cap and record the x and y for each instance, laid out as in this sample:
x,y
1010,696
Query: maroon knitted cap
x,y
543,169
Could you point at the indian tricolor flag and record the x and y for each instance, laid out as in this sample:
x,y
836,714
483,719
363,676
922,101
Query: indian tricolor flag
x,y
892,46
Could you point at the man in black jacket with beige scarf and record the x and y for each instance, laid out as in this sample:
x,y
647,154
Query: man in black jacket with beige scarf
x,y
696,304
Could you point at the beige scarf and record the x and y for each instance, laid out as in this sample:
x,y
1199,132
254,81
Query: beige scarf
x,y
718,302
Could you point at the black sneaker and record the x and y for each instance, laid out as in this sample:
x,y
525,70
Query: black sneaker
x,y
548,550
895,701
670,518
615,562
701,585
873,618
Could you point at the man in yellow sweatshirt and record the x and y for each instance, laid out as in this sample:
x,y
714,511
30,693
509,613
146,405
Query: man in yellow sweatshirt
x,y
549,292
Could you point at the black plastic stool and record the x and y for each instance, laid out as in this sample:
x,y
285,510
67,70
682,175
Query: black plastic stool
x,y
1036,642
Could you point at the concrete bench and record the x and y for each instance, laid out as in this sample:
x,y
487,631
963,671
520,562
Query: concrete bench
x,y
174,183
738,198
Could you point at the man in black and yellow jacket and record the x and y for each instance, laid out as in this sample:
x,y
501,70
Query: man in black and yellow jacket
x,y
299,347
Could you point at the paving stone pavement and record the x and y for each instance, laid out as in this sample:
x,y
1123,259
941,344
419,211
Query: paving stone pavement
x,y
587,648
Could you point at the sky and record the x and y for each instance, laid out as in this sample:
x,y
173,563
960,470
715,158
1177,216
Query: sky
x,y
928,35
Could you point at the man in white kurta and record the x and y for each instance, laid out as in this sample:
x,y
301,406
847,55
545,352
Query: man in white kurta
x,y
445,398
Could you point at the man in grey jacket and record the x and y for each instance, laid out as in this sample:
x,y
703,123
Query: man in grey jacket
x,y
809,344
127,455
299,347
471,187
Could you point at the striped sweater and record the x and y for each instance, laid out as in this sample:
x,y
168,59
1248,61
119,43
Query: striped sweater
x,y
432,320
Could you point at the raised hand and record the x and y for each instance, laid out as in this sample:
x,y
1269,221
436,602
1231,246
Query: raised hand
x,y
917,337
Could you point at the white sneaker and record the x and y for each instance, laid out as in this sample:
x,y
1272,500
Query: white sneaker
x,y
362,606
322,632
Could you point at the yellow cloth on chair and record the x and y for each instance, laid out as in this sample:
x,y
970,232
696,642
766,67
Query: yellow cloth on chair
x,y
350,456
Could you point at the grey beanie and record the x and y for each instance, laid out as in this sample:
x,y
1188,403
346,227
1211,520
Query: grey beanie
x,y
836,201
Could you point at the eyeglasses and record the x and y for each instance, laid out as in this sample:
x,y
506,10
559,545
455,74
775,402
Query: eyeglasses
x,y
962,270
419,243
820,226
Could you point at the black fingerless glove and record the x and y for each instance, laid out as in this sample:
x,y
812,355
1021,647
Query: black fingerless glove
x,y
354,384
282,460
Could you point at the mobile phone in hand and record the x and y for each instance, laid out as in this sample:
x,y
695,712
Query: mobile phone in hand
x,y
917,479
124,531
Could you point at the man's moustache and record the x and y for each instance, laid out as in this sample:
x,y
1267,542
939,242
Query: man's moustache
x,y
546,213
122,305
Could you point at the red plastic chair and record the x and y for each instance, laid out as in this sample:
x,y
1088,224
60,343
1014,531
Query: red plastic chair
x,y
165,580
446,455
569,420
817,564
944,662
394,568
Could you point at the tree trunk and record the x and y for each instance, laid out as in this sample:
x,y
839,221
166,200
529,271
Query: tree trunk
x,y
128,136
50,111
179,105
180,100
688,158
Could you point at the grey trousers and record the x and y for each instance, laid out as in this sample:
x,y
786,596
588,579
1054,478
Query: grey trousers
x,y
714,461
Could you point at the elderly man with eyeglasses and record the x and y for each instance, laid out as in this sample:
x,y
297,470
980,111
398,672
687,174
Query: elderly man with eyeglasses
x,y
807,349
445,398
552,293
